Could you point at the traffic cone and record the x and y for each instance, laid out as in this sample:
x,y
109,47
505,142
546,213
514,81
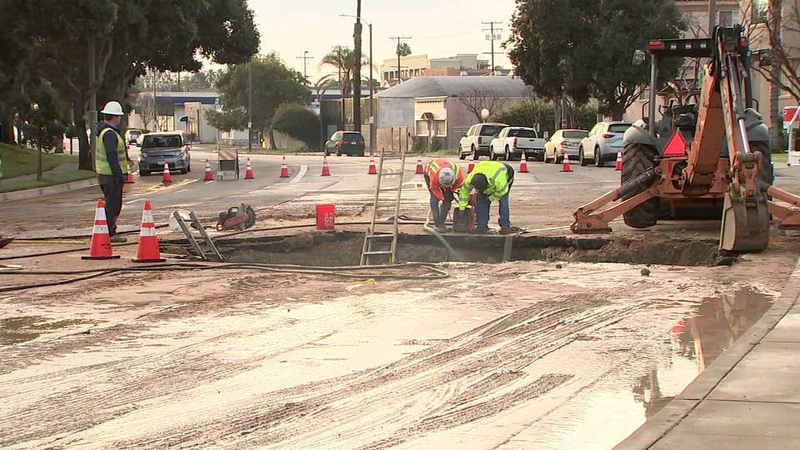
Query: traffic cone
x,y
209,174
471,162
248,173
130,176
148,241
419,170
566,167
619,160
101,241
284,169
167,179
372,169
523,165
326,171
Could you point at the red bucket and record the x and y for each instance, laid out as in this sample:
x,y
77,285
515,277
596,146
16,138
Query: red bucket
x,y
326,217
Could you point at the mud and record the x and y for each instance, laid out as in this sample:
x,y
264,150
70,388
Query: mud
x,y
15,330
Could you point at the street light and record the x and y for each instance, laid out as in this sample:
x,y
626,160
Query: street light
x,y
371,116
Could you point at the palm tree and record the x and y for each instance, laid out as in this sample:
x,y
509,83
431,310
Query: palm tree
x,y
343,59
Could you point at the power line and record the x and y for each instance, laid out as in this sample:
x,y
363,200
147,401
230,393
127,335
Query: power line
x,y
305,59
492,37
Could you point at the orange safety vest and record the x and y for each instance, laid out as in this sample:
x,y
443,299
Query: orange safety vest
x,y
434,166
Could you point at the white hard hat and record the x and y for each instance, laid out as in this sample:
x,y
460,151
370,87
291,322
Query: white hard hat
x,y
447,177
113,109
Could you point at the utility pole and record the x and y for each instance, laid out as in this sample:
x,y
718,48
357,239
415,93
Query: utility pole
x,y
92,110
371,90
357,32
305,59
712,16
492,37
155,104
399,41
250,106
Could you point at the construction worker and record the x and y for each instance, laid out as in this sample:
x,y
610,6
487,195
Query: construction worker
x,y
443,178
111,154
492,180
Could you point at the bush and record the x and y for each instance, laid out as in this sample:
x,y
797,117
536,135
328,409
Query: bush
x,y
298,122
527,114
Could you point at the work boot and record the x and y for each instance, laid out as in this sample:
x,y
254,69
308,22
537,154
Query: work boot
x,y
443,229
117,239
481,230
510,230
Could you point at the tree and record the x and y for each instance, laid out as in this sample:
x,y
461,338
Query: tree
x,y
273,85
344,60
530,113
475,100
299,123
403,49
559,58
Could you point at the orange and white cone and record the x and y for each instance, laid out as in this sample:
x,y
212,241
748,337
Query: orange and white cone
x,y
101,241
419,170
167,179
523,164
566,167
326,171
209,173
372,169
472,160
248,173
130,176
148,241
284,169
619,160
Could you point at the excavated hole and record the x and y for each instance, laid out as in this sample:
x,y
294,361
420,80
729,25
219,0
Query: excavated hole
x,y
343,248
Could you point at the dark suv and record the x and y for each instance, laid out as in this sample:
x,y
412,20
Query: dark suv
x,y
345,143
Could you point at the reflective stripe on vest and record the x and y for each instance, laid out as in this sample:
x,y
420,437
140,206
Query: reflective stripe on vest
x,y
102,166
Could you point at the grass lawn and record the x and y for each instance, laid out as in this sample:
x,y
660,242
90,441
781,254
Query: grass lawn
x,y
47,180
22,161
446,152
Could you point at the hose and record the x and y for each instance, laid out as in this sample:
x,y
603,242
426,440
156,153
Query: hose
x,y
435,273
457,256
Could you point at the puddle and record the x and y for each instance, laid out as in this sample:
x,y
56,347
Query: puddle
x,y
16,330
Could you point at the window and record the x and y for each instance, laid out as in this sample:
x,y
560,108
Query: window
x,y
161,142
728,18
619,127
596,129
440,127
422,128
575,134
471,131
490,130
760,11
523,133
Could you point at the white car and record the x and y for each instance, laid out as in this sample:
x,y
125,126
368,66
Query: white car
x,y
603,143
563,141
512,141
478,139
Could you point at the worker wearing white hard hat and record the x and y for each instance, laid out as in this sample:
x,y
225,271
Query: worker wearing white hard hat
x,y
111,153
443,179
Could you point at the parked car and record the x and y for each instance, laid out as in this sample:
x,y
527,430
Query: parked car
x,y
479,139
569,140
603,143
345,143
512,141
158,148
132,136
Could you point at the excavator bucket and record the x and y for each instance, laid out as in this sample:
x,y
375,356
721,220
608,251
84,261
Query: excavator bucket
x,y
745,222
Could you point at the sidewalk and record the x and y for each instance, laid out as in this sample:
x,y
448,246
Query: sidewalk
x,y
748,398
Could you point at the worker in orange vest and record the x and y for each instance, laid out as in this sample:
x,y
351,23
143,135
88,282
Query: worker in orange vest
x,y
444,179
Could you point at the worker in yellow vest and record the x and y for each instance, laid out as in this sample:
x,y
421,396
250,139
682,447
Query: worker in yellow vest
x,y
492,180
111,153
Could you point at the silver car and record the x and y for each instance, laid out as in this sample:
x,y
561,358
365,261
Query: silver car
x,y
603,143
160,148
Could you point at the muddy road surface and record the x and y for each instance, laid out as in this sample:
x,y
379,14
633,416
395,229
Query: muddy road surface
x,y
516,355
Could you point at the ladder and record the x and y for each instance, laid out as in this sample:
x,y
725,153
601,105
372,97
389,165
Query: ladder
x,y
375,243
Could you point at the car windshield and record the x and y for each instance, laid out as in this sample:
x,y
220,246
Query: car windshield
x,y
619,127
575,134
136,133
161,142
352,136
490,130
522,134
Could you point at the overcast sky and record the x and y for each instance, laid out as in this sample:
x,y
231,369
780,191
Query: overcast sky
x,y
439,28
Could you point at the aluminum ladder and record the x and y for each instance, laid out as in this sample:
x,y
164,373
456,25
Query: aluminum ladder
x,y
375,242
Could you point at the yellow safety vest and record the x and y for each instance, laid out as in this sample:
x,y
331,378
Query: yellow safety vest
x,y
497,175
101,165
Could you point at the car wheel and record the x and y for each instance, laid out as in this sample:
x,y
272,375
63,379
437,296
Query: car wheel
x,y
492,156
475,153
461,155
546,159
189,166
507,154
583,161
338,151
598,160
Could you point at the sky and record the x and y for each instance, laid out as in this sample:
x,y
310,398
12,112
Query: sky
x,y
438,28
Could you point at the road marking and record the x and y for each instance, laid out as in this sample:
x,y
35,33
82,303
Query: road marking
x,y
300,175
182,190
135,201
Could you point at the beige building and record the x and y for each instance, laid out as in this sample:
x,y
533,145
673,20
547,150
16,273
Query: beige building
x,y
420,65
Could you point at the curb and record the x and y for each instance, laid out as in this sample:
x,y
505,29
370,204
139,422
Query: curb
x,y
49,190
698,390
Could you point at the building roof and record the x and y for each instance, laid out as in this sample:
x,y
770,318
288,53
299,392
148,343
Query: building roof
x,y
454,86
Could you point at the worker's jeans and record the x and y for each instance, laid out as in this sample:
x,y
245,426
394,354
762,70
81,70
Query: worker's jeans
x,y
112,191
440,212
484,204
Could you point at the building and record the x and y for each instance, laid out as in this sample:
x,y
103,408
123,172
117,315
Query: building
x,y
180,111
463,64
439,108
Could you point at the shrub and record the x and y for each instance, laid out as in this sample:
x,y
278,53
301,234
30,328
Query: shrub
x,y
298,122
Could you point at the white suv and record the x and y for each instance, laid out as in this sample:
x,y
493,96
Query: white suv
x,y
479,139
603,143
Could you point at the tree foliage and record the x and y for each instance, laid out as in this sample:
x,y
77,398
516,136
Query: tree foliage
x,y
538,113
583,48
475,100
42,120
299,123
342,59
403,49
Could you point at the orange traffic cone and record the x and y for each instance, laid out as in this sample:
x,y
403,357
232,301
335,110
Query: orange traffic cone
x,y
619,160
566,167
248,173
101,241
284,169
472,160
209,174
167,177
148,242
130,176
523,165
326,171
372,169
419,170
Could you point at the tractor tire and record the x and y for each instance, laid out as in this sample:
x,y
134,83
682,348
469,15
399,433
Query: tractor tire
x,y
636,160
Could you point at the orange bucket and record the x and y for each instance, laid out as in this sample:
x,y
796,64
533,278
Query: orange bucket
x,y
326,217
